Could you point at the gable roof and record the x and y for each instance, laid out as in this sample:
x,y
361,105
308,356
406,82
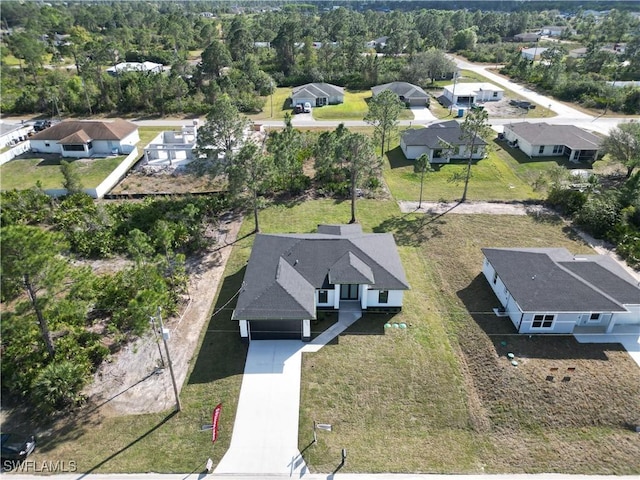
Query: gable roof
x,y
317,90
553,280
436,134
76,138
95,130
402,89
284,270
545,134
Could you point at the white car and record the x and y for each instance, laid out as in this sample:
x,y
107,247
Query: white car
x,y
307,107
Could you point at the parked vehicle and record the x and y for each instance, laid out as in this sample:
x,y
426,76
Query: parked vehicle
x,y
307,107
298,108
16,447
40,125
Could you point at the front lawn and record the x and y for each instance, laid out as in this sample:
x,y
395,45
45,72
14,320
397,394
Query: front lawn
x,y
355,107
493,179
280,103
28,170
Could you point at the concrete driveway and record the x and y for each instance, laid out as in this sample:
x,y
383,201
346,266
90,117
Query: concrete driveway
x,y
265,432
422,115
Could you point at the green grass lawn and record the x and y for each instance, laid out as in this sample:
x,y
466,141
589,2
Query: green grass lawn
x,y
27,170
280,102
355,107
492,178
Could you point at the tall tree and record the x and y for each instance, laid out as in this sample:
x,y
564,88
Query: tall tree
x,y
249,173
362,164
422,166
288,146
240,38
384,110
72,180
223,130
214,58
623,145
474,127
429,65
31,262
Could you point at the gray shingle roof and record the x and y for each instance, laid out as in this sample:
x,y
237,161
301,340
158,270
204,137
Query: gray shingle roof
x,y
436,134
545,134
317,90
284,270
96,130
402,89
553,280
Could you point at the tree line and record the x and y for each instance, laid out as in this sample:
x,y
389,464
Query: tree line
x,y
300,45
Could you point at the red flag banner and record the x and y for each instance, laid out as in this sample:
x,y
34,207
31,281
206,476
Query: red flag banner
x,y
214,422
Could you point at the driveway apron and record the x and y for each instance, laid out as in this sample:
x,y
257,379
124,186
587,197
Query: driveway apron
x,y
265,432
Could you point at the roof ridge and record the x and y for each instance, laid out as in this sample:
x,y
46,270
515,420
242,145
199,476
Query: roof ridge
x,y
587,283
403,282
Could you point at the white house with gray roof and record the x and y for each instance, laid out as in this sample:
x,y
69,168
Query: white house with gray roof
x,y
441,142
410,94
549,290
317,94
544,140
289,277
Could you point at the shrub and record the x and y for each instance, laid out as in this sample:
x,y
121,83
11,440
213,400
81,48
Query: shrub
x,y
58,385
565,200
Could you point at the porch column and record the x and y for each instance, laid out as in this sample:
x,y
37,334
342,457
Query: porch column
x,y
336,297
363,296
306,330
612,323
244,328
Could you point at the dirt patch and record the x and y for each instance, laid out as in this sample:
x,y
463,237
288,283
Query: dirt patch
x,y
137,380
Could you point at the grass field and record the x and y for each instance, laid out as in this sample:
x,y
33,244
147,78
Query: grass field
x,y
496,177
280,105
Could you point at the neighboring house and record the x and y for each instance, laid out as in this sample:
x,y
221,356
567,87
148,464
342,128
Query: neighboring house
x,y
555,31
442,142
317,94
144,67
578,52
378,43
544,140
549,290
622,84
410,94
13,133
470,93
526,37
172,147
81,138
289,277
533,53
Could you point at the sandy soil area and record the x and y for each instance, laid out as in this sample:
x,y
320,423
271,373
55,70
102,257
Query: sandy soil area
x,y
134,381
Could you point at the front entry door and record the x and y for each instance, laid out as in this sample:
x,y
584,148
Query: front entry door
x,y
349,292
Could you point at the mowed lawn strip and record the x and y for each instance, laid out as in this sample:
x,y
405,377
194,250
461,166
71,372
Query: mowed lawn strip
x,y
354,107
492,179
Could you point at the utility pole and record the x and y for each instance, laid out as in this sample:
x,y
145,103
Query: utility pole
x,y
165,336
453,91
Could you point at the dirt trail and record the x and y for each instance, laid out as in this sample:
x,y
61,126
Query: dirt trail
x,y
132,383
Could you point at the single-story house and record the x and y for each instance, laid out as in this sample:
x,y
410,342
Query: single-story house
x,y
549,290
412,95
289,277
533,53
145,67
556,31
12,133
82,138
544,140
378,43
526,37
317,94
578,52
469,93
442,142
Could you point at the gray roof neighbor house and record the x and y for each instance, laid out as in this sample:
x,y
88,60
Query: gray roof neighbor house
x,y
317,94
407,92
434,141
285,270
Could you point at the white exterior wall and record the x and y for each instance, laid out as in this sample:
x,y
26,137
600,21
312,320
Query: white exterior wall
x,y
414,151
563,322
331,294
45,146
77,154
395,299
306,328
15,136
488,95
632,317
523,145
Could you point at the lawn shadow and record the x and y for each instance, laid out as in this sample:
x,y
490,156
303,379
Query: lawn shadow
x,y
397,159
480,301
522,158
222,353
128,446
412,230
370,324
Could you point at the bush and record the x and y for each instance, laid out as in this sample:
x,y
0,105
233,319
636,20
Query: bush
x,y
566,201
58,385
598,215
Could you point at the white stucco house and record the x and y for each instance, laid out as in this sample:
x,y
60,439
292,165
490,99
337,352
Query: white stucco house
x,y
549,290
533,53
470,93
140,67
441,142
290,277
87,138
544,140
13,133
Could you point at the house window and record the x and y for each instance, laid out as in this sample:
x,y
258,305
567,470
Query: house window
x,y
542,321
541,149
558,148
594,317
383,296
73,148
47,144
89,145
495,94
495,277
323,296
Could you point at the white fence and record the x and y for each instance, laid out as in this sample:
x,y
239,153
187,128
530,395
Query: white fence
x,y
108,183
14,152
